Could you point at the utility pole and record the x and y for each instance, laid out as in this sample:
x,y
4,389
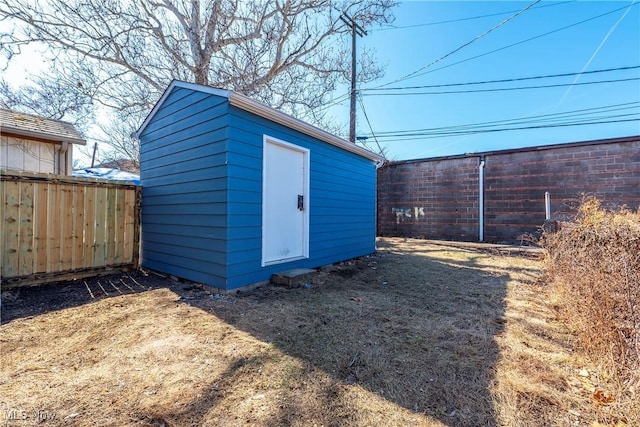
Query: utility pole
x,y
93,158
356,30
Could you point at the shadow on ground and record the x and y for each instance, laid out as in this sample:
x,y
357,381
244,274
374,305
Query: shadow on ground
x,y
22,302
415,330
409,324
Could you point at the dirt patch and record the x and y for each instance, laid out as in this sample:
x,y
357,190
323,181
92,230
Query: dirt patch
x,y
416,334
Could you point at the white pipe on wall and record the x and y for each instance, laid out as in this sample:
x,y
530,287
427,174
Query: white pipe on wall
x,y
547,206
481,200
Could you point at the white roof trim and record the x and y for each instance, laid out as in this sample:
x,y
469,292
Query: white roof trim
x,y
247,104
56,139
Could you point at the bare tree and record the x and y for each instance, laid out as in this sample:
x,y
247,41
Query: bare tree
x,y
51,98
120,54
125,152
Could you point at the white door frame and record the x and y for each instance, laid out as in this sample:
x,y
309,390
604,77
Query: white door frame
x,y
305,188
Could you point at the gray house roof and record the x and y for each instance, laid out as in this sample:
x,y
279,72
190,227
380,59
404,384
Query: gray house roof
x,y
28,125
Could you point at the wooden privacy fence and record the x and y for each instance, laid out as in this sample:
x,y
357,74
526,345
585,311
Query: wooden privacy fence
x,y
58,227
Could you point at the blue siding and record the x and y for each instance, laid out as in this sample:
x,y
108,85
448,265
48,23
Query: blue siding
x,y
342,200
201,173
183,157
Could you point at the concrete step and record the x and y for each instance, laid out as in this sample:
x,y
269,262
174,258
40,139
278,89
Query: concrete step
x,y
293,277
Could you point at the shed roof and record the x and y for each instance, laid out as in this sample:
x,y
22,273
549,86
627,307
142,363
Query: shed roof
x,y
29,125
247,104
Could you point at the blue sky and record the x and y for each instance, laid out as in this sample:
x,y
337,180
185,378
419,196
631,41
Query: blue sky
x,y
549,38
423,37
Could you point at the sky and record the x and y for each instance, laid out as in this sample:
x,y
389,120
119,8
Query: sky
x,y
447,43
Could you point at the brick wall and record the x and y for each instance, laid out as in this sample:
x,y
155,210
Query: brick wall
x,y
429,199
515,182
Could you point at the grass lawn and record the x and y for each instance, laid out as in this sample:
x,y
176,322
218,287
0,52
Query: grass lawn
x,y
420,333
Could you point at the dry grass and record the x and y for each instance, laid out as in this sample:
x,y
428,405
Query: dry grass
x,y
594,268
418,334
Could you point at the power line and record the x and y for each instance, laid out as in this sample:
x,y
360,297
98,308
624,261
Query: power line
x,y
408,76
546,118
413,75
503,89
345,96
369,123
419,136
527,119
581,114
515,79
451,21
341,98
413,136
472,132
511,125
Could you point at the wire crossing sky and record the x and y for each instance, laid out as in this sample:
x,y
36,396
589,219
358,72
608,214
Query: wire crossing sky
x,y
517,79
505,88
471,76
459,48
508,75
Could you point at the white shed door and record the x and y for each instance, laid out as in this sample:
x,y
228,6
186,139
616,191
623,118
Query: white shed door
x,y
285,204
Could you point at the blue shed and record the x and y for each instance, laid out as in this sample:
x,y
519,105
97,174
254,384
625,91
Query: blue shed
x,y
234,190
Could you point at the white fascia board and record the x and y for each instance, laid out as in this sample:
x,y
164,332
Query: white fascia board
x,y
56,139
245,103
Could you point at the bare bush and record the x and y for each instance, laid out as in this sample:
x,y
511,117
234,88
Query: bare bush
x,y
594,266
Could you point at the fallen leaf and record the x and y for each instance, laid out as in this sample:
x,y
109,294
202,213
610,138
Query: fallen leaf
x,y
602,397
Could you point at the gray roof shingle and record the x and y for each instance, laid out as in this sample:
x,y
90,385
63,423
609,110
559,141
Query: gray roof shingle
x,y
29,125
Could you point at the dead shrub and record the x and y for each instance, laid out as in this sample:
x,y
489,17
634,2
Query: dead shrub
x,y
594,269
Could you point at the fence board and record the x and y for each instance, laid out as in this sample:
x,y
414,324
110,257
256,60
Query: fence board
x,y
119,226
66,233
128,224
58,227
90,230
54,230
40,240
111,230
100,252
11,229
78,227
25,250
